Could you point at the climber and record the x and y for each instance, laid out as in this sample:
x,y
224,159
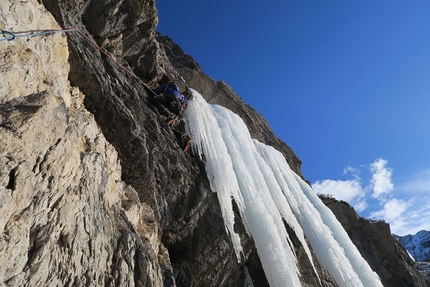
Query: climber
x,y
168,100
170,103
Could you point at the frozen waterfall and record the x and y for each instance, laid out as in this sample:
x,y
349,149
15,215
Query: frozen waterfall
x,y
267,192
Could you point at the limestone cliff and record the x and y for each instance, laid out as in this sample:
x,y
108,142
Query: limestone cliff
x,y
67,218
94,188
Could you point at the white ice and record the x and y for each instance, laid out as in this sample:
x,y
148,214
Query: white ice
x,y
267,191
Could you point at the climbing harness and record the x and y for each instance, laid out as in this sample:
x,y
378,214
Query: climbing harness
x,y
9,36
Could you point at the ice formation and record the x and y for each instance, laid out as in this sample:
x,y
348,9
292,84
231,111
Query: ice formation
x,y
266,191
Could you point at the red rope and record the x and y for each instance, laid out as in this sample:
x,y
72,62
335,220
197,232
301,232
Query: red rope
x,y
107,55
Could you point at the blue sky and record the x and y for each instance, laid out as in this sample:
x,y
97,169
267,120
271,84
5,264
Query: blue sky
x,y
344,83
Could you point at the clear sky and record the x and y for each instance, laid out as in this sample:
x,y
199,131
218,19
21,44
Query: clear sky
x,y
344,83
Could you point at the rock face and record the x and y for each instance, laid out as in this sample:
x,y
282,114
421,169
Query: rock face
x,y
424,268
63,217
378,246
94,188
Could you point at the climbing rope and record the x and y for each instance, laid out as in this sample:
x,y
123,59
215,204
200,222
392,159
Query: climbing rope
x,y
9,36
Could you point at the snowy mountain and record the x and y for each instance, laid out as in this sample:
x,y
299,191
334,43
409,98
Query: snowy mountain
x,y
418,245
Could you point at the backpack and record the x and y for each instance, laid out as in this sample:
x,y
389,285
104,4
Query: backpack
x,y
175,106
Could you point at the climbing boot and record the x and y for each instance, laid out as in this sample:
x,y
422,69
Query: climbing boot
x,y
185,142
170,118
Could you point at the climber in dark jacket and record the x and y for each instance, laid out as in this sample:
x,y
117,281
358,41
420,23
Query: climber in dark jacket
x,y
170,103
168,100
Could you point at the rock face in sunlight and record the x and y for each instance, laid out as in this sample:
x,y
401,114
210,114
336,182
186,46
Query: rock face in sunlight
x,y
62,210
94,188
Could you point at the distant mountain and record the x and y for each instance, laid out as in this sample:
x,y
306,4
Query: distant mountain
x,y
418,245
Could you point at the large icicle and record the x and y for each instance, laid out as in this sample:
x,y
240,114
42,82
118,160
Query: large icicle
x,y
329,239
266,191
367,275
208,141
257,208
